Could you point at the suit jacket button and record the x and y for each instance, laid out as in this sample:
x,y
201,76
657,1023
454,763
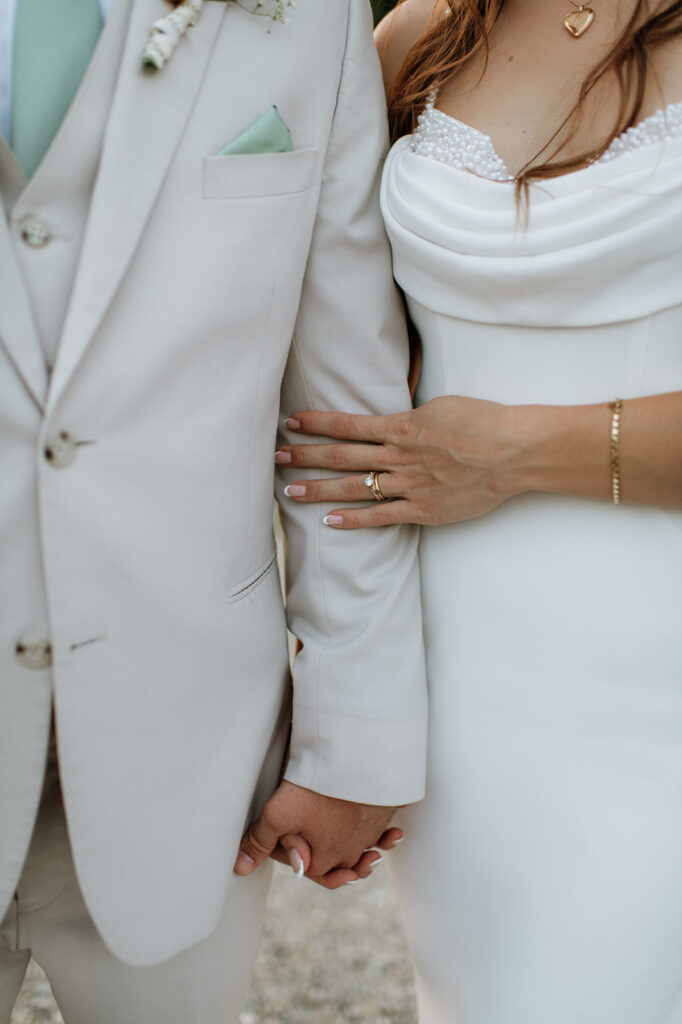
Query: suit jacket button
x,y
33,651
35,233
60,449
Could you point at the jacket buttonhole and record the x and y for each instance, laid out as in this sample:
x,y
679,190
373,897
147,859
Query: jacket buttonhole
x,y
87,643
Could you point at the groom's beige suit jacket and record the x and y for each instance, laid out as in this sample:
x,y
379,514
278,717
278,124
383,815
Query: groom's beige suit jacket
x,y
149,294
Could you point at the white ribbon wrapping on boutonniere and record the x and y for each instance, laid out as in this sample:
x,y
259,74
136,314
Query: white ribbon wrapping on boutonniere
x,y
166,32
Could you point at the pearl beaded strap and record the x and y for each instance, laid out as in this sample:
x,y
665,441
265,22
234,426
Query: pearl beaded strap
x,y
452,142
664,124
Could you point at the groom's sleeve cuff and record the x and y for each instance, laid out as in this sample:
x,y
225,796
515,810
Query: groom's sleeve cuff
x,y
372,760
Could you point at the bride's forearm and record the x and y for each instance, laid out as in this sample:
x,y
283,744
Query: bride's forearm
x,y
566,450
455,458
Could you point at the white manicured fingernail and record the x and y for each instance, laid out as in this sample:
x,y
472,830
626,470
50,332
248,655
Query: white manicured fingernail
x,y
244,863
292,424
331,520
396,841
295,490
296,863
352,881
375,862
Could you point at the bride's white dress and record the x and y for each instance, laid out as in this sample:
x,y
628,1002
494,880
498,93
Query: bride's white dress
x,y
541,881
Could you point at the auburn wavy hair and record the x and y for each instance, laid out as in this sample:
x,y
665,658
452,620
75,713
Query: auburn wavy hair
x,y
459,31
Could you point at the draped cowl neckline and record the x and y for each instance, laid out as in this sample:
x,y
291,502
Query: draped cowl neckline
x,y
599,245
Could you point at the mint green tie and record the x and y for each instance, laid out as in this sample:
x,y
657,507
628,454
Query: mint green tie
x,y
53,43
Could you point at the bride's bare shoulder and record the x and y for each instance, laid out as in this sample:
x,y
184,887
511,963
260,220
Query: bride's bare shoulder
x,y
396,34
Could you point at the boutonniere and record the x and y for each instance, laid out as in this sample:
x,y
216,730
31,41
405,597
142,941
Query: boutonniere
x,y
166,32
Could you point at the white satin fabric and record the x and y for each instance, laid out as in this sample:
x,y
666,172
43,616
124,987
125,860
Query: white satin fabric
x,y
542,879
603,244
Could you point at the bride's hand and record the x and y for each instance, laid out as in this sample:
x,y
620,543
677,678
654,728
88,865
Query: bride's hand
x,y
450,459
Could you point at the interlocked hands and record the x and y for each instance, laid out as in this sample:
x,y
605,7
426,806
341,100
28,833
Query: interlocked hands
x,y
333,842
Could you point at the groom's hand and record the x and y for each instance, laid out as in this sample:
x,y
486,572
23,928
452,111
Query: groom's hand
x,y
333,842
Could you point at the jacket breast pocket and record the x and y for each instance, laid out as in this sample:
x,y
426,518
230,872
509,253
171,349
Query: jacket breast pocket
x,y
257,175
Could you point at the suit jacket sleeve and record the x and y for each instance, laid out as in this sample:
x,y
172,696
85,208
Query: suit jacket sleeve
x,y
359,715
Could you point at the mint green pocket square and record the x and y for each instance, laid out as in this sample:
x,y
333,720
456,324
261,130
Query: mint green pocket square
x,y
268,134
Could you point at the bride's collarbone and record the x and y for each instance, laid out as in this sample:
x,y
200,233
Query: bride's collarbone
x,y
531,82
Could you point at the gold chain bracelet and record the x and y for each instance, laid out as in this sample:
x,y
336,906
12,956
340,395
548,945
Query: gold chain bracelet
x,y
615,450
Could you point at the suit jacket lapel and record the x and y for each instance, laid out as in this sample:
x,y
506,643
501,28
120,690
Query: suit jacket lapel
x,y
18,331
148,115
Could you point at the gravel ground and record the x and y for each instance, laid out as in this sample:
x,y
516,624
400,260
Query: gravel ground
x,y
327,958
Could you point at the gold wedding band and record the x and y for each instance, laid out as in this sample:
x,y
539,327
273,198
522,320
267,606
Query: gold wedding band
x,y
372,481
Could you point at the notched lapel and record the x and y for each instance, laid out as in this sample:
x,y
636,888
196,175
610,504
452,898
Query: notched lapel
x,y
148,116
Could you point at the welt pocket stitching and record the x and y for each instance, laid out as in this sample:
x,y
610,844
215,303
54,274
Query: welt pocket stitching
x,y
248,585
255,158
234,176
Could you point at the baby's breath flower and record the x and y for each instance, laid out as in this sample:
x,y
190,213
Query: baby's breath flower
x,y
274,9
167,32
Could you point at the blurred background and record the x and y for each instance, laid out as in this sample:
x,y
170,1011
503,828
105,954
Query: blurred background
x,y
381,7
